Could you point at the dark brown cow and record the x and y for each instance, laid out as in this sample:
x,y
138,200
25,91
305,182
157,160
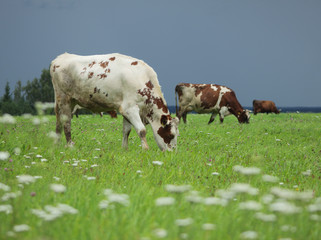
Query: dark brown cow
x,y
261,106
209,98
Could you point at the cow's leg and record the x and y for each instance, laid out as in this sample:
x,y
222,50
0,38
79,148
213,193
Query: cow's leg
x,y
221,118
184,115
63,115
212,118
127,127
132,115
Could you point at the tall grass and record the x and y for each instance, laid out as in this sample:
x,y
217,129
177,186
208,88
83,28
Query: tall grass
x,y
224,181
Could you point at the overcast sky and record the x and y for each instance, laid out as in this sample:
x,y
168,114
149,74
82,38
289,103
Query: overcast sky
x,y
262,49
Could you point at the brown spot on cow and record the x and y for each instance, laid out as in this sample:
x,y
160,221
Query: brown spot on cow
x,y
102,75
54,67
165,131
112,58
149,85
104,64
151,99
134,63
209,97
91,64
95,89
90,74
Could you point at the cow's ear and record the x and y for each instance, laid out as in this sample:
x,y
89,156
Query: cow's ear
x,y
164,120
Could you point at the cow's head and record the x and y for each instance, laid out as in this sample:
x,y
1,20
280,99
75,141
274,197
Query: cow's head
x,y
166,134
244,116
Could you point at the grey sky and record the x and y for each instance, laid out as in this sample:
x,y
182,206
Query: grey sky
x,y
262,49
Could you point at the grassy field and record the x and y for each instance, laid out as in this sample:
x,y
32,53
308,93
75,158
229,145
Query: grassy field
x,y
224,181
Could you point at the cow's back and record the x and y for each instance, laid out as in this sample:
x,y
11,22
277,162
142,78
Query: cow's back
x,y
104,79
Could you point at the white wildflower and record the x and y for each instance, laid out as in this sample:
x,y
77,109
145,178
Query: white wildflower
x,y
17,151
4,156
208,226
6,208
315,217
177,188
193,197
307,173
184,222
26,179
265,217
26,115
38,156
316,206
7,119
164,201
4,187
10,195
247,170
226,194
160,233
215,201
285,207
249,235
91,178
66,208
58,188
243,188
159,163
21,228
43,160
291,195
122,199
56,178
215,173
103,204
250,205
36,121
269,178
94,165
288,228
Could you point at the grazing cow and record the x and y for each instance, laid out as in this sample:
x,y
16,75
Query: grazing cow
x,y
113,114
264,107
113,82
209,98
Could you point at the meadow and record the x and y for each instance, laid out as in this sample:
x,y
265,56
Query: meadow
x,y
224,181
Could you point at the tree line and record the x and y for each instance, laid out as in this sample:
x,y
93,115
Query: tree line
x,y
23,98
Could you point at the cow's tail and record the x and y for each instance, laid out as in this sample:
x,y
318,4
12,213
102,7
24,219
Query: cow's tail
x,y
176,96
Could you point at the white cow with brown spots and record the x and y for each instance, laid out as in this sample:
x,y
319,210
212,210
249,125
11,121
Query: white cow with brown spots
x,y
209,98
113,82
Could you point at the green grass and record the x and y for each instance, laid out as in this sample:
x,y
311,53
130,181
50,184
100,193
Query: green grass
x,y
285,146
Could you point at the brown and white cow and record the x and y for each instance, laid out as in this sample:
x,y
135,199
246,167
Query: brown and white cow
x,y
209,98
113,82
263,106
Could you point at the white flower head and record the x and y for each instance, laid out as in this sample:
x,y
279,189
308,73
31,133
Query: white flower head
x,y
160,233
58,188
177,188
269,178
250,205
208,226
4,156
26,179
7,119
21,228
164,201
247,170
4,187
6,208
265,217
159,163
184,222
215,201
285,207
243,188
249,235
